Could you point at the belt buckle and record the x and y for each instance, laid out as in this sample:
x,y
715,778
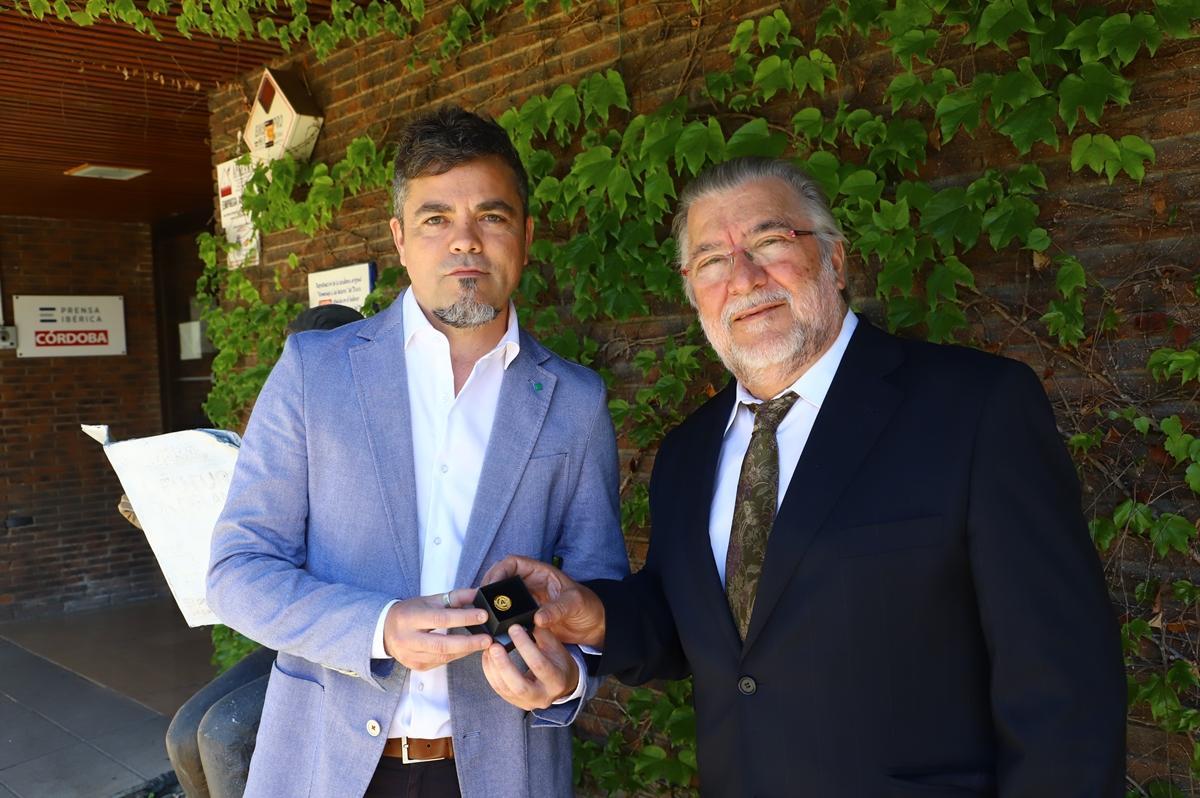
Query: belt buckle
x,y
406,760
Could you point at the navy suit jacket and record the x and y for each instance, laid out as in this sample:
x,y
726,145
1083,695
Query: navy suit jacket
x,y
931,620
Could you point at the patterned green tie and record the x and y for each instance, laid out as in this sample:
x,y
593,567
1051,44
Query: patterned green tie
x,y
754,509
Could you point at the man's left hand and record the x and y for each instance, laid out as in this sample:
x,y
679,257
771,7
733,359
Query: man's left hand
x,y
553,672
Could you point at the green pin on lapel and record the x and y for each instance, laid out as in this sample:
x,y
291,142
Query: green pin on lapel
x,y
537,386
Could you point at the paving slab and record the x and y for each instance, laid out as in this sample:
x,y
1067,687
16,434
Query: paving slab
x,y
26,735
77,771
139,747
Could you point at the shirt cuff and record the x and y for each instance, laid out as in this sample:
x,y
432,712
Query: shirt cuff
x,y
581,685
377,649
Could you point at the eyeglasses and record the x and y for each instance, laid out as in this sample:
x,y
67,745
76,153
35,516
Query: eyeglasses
x,y
768,249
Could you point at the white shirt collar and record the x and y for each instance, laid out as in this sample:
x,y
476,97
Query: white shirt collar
x,y
418,329
813,384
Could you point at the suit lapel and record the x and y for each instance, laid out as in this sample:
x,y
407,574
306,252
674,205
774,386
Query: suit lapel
x,y
694,491
381,381
525,396
858,406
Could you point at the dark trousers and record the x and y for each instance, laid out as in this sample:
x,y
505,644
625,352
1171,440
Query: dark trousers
x,y
394,779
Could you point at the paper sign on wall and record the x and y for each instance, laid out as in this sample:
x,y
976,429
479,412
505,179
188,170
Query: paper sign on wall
x,y
231,185
348,285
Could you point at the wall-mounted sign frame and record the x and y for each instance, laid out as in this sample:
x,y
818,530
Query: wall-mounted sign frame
x,y
69,326
348,285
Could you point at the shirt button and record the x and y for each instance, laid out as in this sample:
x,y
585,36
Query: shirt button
x,y
747,685
420,687
445,468
373,727
437,541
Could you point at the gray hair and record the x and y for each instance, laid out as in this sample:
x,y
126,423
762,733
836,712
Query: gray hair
x,y
735,172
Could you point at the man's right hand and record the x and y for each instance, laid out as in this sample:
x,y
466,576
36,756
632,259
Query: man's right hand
x,y
410,633
568,609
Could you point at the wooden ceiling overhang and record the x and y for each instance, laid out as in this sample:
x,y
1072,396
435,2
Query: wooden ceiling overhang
x,y
106,94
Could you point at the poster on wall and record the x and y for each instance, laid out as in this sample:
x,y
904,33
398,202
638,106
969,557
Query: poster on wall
x,y
231,185
348,285
69,326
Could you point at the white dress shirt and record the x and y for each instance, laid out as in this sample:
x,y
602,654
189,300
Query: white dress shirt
x,y
792,435
449,438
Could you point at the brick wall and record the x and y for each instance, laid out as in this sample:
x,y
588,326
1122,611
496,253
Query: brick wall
x,y
78,552
1139,242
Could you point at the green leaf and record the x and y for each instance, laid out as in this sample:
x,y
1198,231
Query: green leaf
x,y
1071,277
692,148
948,217
808,122
913,44
1000,20
1015,89
862,183
1175,17
1192,477
772,28
942,281
602,92
811,71
1097,152
1171,531
1089,91
563,110
1012,217
905,312
1134,153
958,109
592,167
1084,39
823,167
891,216
1038,240
755,138
620,188
772,76
742,37
1122,37
1030,123
905,89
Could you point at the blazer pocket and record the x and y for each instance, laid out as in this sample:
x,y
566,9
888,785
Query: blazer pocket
x,y
889,536
289,734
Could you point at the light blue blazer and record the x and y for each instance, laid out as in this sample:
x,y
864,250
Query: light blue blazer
x,y
319,533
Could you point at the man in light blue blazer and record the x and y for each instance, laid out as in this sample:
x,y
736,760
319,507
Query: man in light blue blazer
x,y
387,465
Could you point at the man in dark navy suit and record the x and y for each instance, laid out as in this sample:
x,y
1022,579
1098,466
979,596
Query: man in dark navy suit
x,y
868,551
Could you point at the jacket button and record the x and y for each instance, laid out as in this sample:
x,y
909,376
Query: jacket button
x,y
747,685
373,727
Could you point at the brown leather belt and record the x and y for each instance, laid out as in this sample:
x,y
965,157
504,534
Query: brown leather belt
x,y
414,749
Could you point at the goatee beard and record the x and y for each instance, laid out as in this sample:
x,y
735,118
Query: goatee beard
x,y
467,311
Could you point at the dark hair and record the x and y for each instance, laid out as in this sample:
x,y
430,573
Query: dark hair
x,y
323,317
436,142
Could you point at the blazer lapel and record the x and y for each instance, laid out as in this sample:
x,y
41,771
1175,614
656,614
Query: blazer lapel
x,y
525,396
694,490
858,406
381,380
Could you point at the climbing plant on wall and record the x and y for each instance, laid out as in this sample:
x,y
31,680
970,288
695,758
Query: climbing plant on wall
x,y
1029,84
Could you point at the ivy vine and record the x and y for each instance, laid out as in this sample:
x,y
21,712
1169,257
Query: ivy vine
x,y
1029,82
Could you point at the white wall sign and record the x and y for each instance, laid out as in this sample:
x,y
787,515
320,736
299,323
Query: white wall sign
x,y
69,326
347,286
231,184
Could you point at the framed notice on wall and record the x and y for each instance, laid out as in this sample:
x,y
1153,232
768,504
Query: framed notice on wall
x,y
69,326
348,285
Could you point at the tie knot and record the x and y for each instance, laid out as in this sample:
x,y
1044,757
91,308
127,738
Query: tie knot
x,y
767,415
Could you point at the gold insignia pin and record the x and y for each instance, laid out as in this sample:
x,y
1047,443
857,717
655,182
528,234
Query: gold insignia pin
x,y
503,603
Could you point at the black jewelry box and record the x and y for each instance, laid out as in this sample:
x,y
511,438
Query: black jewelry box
x,y
507,603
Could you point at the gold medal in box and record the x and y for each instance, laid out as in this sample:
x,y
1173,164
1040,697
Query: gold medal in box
x,y
507,603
